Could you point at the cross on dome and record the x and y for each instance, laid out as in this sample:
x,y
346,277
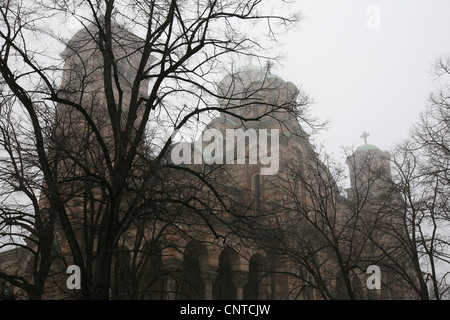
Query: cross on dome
x,y
364,136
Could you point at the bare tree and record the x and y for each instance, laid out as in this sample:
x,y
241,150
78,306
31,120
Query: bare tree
x,y
24,226
422,165
87,140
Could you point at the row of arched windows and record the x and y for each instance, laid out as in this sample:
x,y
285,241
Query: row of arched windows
x,y
149,280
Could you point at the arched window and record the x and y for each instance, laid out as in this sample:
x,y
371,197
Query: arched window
x,y
256,193
308,290
151,284
224,288
254,289
193,284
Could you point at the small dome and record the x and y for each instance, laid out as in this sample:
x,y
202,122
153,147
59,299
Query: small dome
x,y
367,148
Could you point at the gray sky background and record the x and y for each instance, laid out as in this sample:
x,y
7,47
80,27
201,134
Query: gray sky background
x,y
366,80
360,79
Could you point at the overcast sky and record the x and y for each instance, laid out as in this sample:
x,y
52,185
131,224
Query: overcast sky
x,y
374,80
361,79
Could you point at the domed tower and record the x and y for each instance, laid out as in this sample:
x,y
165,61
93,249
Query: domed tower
x,y
83,143
83,83
370,169
252,98
260,103
258,108
259,112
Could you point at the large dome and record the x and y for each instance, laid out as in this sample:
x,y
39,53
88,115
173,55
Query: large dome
x,y
257,86
245,77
